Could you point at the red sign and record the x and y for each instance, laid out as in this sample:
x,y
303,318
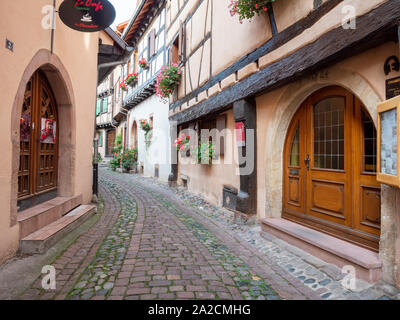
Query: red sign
x,y
87,15
240,134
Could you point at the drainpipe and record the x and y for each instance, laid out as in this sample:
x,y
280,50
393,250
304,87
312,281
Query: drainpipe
x,y
128,50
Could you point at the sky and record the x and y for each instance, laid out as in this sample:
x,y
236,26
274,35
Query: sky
x,y
124,9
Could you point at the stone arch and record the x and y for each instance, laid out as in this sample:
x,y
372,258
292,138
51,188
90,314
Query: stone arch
x,y
61,85
290,100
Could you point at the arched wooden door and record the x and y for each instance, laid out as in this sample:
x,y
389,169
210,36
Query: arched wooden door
x,y
134,132
330,168
38,140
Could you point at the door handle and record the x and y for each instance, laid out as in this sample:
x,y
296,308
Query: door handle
x,y
307,162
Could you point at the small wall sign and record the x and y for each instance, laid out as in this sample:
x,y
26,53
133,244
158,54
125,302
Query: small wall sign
x,y
392,88
388,142
87,15
9,45
240,134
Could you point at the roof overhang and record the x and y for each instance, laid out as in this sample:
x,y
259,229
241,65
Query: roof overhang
x,y
142,18
111,53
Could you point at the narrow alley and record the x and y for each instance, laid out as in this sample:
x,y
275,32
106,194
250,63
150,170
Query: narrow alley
x,y
151,243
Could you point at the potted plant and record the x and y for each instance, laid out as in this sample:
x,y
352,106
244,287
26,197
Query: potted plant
x,y
148,131
247,9
129,159
168,78
182,143
143,63
205,152
123,86
131,79
115,162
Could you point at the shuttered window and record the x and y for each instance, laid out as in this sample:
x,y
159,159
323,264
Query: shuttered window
x,y
98,107
152,43
100,138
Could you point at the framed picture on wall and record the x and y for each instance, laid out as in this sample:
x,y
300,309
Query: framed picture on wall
x,y
388,142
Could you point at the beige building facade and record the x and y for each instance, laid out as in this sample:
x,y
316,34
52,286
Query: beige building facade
x,y
307,77
47,118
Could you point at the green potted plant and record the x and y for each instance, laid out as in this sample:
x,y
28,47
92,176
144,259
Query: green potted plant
x,y
205,152
115,162
129,159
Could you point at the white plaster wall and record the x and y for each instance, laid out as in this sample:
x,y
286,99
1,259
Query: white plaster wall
x,y
159,150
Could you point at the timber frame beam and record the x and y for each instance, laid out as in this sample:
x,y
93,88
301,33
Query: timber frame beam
x,y
373,29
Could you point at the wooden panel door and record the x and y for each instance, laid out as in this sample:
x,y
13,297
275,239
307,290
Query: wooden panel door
x,y
38,139
110,141
329,149
330,168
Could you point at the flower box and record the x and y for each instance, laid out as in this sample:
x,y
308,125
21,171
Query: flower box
x,y
143,63
169,77
131,79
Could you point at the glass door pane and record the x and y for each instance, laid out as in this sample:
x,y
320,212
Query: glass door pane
x,y
329,133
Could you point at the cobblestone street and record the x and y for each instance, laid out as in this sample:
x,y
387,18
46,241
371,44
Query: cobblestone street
x,y
153,242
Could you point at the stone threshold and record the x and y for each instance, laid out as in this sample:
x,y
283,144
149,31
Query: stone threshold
x,y
367,265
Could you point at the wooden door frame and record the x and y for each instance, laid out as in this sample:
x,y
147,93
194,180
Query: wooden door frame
x,y
344,232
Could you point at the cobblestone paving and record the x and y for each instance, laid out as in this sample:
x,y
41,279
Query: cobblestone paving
x,y
156,242
323,278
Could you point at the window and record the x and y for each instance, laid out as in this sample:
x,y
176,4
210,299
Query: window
x,y
151,44
177,50
329,134
369,135
98,107
295,150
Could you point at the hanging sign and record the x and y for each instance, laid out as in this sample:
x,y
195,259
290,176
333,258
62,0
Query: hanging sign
x,y
87,15
240,134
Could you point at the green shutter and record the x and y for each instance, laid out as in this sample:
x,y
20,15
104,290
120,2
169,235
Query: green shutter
x,y
98,107
101,139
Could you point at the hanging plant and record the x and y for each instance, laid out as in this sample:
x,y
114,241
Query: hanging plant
x,y
131,79
148,131
123,86
247,9
143,63
182,142
169,77
145,125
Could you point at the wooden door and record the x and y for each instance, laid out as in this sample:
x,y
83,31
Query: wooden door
x,y
38,139
330,171
110,141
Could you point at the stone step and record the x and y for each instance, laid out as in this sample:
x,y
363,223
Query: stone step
x,y
41,240
330,249
35,218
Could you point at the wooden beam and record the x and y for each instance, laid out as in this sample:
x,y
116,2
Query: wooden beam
x,y
271,45
374,28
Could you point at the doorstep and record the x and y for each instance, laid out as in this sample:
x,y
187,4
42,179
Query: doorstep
x,y
41,240
330,249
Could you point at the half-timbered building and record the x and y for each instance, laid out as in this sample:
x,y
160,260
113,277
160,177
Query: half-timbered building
x,y
306,78
146,32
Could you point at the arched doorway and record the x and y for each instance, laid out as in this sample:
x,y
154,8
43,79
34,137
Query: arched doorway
x,y
330,168
38,169
134,139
